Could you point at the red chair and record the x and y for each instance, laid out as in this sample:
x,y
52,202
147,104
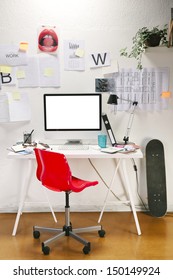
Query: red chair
x,y
56,176
38,174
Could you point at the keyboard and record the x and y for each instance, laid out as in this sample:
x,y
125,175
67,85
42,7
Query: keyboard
x,y
73,147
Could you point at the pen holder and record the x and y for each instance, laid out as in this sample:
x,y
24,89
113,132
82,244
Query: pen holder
x,y
27,138
102,140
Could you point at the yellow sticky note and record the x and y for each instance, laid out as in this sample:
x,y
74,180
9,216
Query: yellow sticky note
x,y
16,95
20,74
23,46
79,52
166,94
5,69
48,72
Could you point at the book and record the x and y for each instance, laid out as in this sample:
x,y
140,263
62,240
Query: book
x,y
17,148
112,150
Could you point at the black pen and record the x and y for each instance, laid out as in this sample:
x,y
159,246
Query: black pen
x,y
28,137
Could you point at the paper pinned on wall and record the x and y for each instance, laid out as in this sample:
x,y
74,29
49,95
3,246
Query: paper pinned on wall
x,y
29,74
143,86
14,108
48,40
49,71
99,59
74,55
19,110
11,56
4,110
40,72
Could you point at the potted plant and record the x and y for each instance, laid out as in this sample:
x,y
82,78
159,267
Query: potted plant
x,y
143,39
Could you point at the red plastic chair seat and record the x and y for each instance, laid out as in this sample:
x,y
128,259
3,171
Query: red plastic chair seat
x,y
56,174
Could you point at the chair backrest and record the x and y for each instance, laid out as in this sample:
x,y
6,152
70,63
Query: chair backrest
x,y
54,173
39,164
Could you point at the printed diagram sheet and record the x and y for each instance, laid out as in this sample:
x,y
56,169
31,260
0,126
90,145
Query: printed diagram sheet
x,y
145,87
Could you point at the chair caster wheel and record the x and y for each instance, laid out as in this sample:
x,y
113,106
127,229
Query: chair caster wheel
x,y
45,250
86,250
102,233
36,234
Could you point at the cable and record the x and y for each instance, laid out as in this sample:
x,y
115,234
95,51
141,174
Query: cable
x,y
137,182
103,179
105,182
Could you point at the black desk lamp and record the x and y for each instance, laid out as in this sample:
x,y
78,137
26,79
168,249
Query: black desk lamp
x,y
113,100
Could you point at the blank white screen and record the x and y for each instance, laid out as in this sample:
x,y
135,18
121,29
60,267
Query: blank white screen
x,y
73,112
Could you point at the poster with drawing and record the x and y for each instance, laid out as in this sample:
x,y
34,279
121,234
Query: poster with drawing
x,y
48,39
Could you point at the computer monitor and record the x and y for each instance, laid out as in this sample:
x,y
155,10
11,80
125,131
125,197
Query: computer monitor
x,y
73,116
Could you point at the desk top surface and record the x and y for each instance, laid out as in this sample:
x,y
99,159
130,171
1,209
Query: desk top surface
x,y
92,152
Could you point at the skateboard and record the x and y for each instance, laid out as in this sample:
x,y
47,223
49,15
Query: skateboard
x,y
156,178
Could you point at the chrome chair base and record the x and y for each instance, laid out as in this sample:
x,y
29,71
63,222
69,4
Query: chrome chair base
x,y
66,230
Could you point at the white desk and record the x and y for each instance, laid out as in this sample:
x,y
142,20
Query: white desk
x,y
92,152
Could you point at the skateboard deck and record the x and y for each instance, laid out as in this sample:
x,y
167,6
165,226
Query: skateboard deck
x,y
156,178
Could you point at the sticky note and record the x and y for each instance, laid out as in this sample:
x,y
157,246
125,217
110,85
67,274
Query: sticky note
x,y
48,72
166,94
79,52
16,95
23,46
5,69
20,74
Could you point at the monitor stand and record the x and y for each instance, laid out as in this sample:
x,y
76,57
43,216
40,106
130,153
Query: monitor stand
x,y
74,142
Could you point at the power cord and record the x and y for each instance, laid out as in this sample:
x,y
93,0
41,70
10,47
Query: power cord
x,y
125,203
103,180
137,183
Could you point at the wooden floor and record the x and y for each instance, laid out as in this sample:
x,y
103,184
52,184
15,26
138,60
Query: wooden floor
x,y
121,241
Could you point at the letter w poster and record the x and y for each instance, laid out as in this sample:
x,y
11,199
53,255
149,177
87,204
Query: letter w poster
x,y
99,59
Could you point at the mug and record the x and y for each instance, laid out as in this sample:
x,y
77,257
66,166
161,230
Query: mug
x,y
102,140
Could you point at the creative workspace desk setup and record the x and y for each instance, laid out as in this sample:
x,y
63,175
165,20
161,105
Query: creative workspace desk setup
x,y
80,121
93,152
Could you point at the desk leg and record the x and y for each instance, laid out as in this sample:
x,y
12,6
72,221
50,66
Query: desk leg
x,y
109,189
130,196
50,206
23,193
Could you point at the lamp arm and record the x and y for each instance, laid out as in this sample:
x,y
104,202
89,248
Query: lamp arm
x,y
130,122
113,101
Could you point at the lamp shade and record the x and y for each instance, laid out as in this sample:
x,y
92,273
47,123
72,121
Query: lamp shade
x,y
113,99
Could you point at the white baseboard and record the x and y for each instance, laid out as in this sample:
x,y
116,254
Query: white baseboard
x,y
43,207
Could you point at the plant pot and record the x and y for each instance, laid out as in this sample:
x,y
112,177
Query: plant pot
x,y
153,40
